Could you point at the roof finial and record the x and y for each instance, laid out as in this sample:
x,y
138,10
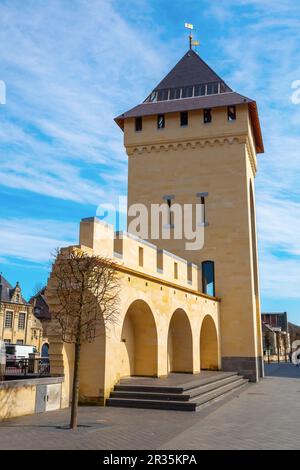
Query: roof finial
x,y
191,42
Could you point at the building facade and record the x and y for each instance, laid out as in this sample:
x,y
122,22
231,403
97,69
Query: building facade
x,y
18,325
276,336
182,310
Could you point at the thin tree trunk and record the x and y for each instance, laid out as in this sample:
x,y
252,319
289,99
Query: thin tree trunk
x,y
75,391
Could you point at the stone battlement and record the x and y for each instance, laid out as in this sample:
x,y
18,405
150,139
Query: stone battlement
x,y
139,255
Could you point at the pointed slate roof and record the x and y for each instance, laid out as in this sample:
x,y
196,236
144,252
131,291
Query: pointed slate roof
x,y
7,291
190,70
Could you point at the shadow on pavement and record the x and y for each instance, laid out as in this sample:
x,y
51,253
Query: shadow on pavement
x,y
282,369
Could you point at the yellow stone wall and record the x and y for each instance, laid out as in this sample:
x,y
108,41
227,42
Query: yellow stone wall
x,y
140,343
218,158
17,401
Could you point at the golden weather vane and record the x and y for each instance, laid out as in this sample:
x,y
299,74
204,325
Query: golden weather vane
x,y
191,41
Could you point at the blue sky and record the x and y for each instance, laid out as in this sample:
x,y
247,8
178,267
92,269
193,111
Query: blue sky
x,y
71,66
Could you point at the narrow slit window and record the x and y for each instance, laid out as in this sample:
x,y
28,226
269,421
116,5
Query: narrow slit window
x,y
190,273
138,124
202,199
207,116
141,256
231,113
169,202
208,278
184,118
160,121
176,270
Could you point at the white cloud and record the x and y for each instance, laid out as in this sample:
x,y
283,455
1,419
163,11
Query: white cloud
x,y
69,72
263,59
34,240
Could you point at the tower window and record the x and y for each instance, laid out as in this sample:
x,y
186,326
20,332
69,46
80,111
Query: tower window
x,y
169,202
212,88
199,90
162,95
208,278
160,121
184,118
138,124
206,116
175,93
202,199
231,113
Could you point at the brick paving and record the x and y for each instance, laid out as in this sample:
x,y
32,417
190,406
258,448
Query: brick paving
x,y
263,416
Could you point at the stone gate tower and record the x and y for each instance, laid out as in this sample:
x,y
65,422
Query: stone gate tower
x,y
195,140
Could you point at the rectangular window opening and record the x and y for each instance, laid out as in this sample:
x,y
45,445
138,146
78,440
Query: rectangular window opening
x,y
202,199
207,116
231,113
8,320
141,256
176,270
138,124
159,261
190,273
184,119
160,121
21,321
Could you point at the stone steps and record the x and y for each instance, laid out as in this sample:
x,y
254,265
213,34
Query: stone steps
x,y
191,396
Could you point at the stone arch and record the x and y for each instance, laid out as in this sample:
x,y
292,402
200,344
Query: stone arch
x,y
139,341
180,343
209,345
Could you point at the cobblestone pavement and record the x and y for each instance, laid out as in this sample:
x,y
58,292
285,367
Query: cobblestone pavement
x,y
264,416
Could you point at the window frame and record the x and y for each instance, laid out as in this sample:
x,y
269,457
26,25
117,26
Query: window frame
x,y
231,117
138,127
163,121
204,285
186,115
12,319
24,316
207,112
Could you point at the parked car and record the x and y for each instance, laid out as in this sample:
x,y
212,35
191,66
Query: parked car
x,y
16,354
2,359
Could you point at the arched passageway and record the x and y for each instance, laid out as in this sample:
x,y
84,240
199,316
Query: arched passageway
x,y
45,350
139,341
180,343
208,345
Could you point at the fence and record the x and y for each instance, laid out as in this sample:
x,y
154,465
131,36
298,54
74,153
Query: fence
x,y
32,367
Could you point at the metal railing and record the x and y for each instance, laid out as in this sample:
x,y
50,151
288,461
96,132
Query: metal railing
x,y
32,367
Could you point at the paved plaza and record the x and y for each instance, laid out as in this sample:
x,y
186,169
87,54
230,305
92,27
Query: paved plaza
x,y
263,416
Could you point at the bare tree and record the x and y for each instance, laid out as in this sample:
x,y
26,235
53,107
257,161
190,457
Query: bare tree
x,y
278,344
285,345
87,290
39,286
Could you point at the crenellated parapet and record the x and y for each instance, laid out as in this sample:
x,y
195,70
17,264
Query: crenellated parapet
x,y
135,255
